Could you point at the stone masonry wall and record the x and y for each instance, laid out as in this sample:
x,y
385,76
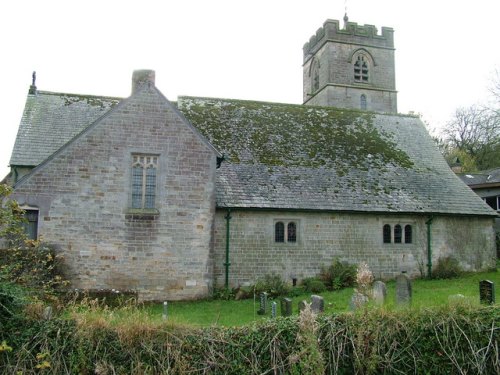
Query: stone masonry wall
x,y
84,197
350,237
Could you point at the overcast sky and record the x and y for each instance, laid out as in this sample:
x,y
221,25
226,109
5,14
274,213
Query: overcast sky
x,y
446,51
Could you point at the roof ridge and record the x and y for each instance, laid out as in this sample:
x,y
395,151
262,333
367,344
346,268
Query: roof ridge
x,y
80,95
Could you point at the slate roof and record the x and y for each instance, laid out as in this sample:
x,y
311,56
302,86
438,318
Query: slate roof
x,y
286,156
485,178
50,120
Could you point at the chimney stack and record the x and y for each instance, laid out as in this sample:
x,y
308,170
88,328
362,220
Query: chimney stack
x,y
141,78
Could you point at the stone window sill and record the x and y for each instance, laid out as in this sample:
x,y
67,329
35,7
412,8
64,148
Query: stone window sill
x,y
142,213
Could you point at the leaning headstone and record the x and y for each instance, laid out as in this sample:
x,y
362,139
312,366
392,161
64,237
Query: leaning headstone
x,y
357,300
317,304
302,305
273,309
487,292
263,304
403,290
286,307
379,292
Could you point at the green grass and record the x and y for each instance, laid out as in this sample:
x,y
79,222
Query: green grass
x,y
426,293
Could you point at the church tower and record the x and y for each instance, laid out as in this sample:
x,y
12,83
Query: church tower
x,y
352,67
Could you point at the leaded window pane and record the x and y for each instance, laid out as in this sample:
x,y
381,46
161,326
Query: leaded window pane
x,y
150,187
397,233
137,186
387,233
408,234
279,232
291,232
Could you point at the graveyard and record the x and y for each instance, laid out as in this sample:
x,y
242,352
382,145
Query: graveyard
x,y
425,294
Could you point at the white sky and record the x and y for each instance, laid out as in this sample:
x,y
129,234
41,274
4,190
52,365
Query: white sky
x,y
446,51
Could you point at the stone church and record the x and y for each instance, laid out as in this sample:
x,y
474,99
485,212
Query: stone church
x,y
173,198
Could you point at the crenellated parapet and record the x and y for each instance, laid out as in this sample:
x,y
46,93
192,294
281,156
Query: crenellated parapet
x,y
352,33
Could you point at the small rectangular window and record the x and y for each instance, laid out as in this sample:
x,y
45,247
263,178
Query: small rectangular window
x,y
492,202
31,224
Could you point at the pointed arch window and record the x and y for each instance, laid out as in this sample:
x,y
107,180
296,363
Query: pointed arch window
x,y
363,102
361,69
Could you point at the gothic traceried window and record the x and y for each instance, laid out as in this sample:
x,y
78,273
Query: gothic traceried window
x,y
144,168
361,69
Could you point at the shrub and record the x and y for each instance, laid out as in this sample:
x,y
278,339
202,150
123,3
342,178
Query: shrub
x,y
313,285
339,275
447,268
274,285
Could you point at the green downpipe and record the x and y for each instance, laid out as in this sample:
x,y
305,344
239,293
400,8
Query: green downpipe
x,y
227,264
429,247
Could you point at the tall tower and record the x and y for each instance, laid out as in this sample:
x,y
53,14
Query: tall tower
x,y
351,67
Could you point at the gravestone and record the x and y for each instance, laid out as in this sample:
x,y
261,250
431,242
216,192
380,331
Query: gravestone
x,y
302,305
487,292
317,304
379,292
47,313
273,309
286,307
357,300
263,304
403,290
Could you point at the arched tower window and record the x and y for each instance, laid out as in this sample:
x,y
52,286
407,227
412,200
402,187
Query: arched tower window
x,y
362,101
361,69
315,76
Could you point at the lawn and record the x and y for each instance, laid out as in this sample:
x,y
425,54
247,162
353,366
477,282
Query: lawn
x,y
426,293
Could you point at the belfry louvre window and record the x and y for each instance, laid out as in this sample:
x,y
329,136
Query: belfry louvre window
x,y
361,69
144,168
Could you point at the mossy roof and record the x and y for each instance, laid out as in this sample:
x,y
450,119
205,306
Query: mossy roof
x,y
285,156
51,119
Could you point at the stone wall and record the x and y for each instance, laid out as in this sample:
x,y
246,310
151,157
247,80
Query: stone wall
x,y
350,237
83,194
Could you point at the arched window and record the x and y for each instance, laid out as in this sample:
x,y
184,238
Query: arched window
x,y
363,102
144,181
408,234
361,69
315,76
291,232
386,233
279,232
398,233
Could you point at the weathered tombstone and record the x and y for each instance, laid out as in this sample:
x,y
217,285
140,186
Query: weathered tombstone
x,y
317,304
165,310
273,309
302,305
403,290
379,292
286,307
357,300
487,292
263,304
47,313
